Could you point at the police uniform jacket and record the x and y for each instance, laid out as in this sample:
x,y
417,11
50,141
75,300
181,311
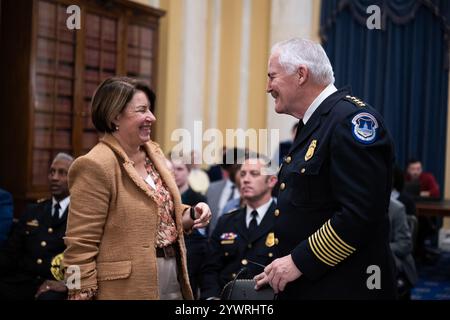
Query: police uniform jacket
x,y
232,248
33,243
332,213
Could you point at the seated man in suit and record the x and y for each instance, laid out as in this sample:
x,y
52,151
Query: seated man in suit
x,y
25,262
243,237
6,215
402,246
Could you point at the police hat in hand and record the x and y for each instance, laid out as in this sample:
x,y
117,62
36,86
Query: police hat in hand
x,y
244,289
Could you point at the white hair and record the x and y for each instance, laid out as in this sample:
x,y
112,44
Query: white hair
x,y
295,52
63,156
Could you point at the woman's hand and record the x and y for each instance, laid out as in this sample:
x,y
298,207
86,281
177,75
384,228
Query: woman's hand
x,y
202,215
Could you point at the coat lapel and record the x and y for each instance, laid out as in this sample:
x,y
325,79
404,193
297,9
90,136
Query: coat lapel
x,y
239,222
153,151
128,165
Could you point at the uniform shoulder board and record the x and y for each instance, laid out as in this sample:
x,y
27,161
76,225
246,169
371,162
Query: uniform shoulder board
x,y
356,101
232,211
42,200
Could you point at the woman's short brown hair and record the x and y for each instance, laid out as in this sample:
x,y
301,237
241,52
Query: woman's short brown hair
x,y
111,97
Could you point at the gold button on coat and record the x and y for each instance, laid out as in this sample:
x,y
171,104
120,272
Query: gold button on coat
x,y
282,186
39,261
276,241
43,244
50,230
244,262
277,212
288,159
303,170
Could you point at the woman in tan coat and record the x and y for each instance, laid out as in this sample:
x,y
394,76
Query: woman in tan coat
x,y
126,221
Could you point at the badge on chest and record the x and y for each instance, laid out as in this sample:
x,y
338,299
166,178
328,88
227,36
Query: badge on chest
x,y
312,147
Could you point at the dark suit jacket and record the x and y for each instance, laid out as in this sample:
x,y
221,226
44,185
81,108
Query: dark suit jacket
x,y
6,215
231,248
333,202
33,243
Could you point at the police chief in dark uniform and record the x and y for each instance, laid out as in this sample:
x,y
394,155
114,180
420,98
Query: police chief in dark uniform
x,y
26,262
332,225
243,241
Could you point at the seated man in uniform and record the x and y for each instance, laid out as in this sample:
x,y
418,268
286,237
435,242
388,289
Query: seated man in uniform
x,y
25,262
244,237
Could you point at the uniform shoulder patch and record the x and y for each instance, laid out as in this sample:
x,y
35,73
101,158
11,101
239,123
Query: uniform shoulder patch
x,y
356,101
364,127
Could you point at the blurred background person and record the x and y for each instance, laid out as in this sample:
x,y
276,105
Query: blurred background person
x,y
25,262
402,247
420,183
222,191
196,242
6,215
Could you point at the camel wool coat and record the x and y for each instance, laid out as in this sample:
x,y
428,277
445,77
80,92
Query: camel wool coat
x,y
113,221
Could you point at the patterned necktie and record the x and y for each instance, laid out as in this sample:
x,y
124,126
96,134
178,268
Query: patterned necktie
x,y
253,223
55,215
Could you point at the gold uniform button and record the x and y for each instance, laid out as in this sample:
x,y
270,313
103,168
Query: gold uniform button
x,y
249,246
226,254
277,212
244,262
288,159
270,254
233,275
276,241
39,261
303,170
50,230
282,186
43,244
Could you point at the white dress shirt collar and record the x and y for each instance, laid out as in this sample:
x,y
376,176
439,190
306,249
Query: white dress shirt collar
x,y
63,204
261,212
328,91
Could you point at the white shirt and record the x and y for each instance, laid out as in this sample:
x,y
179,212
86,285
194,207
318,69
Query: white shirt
x,y
395,194
328,91
226,193
63,204
261,213
150,182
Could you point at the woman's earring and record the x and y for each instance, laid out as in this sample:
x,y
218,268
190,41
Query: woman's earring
x,y
117,127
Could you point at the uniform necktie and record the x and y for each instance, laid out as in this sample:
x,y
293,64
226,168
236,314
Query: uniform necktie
x,y
253,223
55,215
299,128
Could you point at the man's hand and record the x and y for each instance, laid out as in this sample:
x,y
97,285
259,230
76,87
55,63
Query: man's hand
x,y
278,274
52,285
